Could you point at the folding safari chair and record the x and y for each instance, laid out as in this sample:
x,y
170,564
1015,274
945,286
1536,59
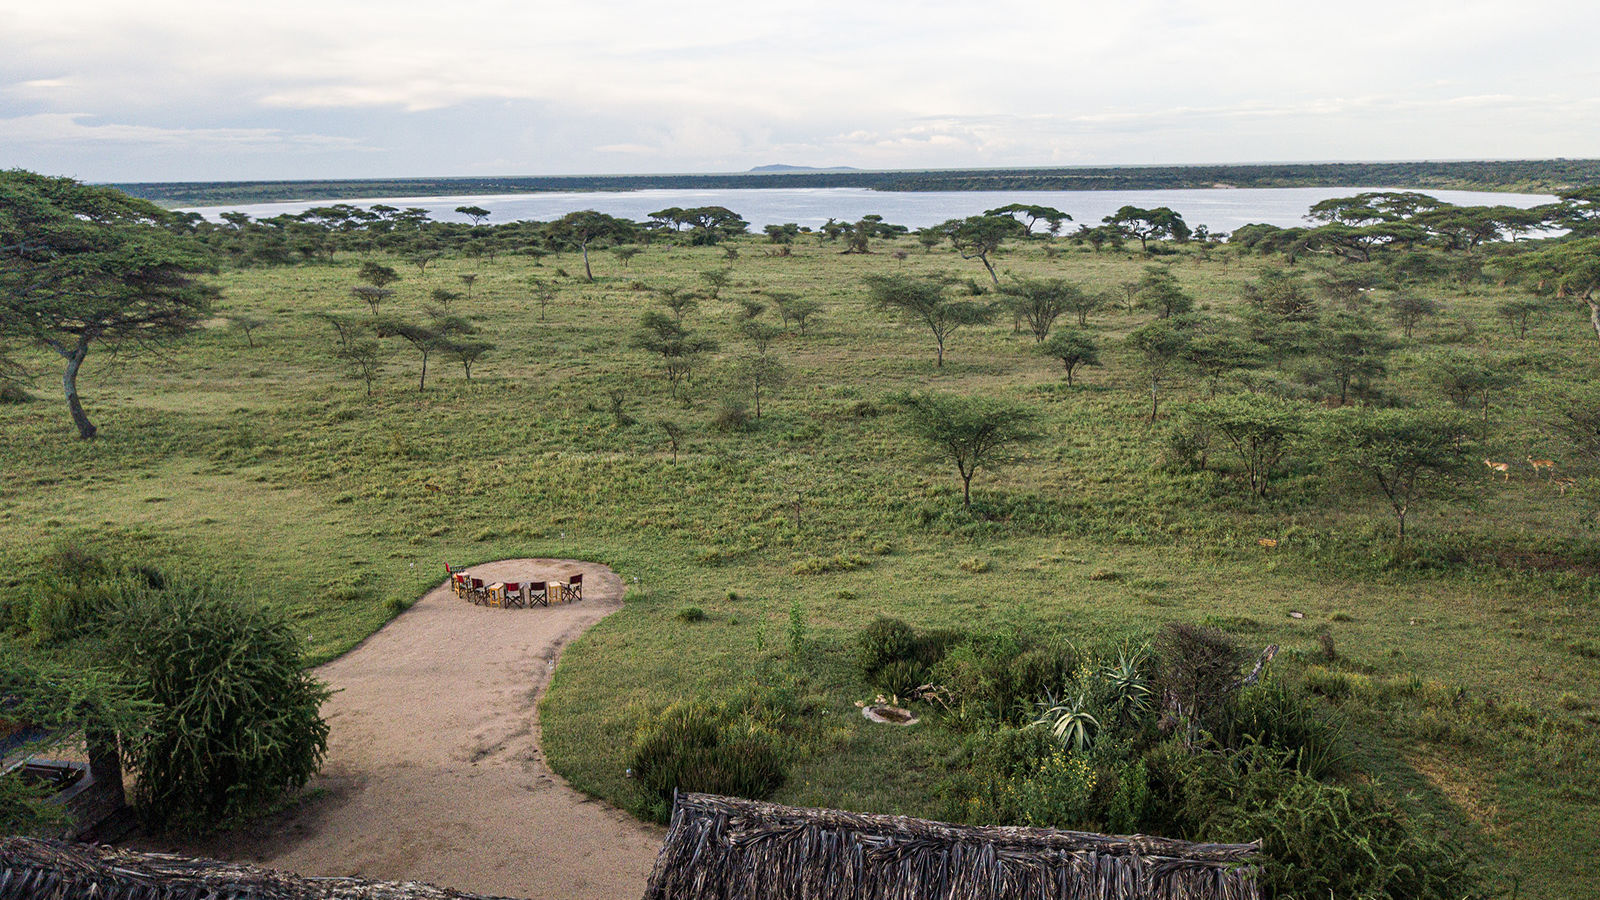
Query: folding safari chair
x,y
538,594
512,594
573,589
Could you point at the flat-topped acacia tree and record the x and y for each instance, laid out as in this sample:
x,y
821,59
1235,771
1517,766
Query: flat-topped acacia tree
x,y
83,265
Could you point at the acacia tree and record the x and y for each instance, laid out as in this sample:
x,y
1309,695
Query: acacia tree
x,y
678,346
1074,348
1161,345
1028,214
1145,224
82,265
1039,302
1407,454
1159,290
761,373
1259,429
1569,269
1353,350
977,237
577,230
363,358
476,213
923,300
1409,310
971,432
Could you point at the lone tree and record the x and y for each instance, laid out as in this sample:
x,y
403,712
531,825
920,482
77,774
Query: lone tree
x,y
83,265
976,237
1408,454
577,230
476,213
923,300
1074,348
969,431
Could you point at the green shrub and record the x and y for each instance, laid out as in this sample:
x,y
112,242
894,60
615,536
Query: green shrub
x,y
901,677
885,640
731,415
699,746
998,677
1320,839
1275,715
691,614
236,722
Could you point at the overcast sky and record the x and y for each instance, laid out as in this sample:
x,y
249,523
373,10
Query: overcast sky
x,y
166,90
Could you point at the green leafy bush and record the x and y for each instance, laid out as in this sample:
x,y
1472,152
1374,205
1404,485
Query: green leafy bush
x,y
885,640
236,721
1322,839
1275,715
999,677
702,746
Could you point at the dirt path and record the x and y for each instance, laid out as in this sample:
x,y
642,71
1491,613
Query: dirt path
x,y
434,771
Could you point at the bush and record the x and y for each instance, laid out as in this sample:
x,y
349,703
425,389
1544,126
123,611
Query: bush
x,y
731,415
886,640
997,677
901,677
236,721
1320,839
699,746
1277,716
1197,667
691,614
77,584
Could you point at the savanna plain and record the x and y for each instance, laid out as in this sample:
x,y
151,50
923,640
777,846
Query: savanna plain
x,y
1451,676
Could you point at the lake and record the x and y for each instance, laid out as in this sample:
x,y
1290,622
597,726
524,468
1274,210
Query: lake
x,y
1220,209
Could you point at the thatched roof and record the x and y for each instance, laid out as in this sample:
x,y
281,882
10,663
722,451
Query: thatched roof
x,y
720,848
53,870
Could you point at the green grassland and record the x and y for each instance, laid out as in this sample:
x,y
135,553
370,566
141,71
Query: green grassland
x,y
270,464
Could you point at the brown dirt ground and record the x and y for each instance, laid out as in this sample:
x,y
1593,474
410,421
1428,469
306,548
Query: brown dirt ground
x,y
434,771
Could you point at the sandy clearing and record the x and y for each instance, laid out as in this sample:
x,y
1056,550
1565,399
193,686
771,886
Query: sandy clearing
x,y
434,771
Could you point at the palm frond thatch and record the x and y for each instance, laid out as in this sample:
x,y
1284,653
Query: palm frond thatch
x,y
720,848
54,870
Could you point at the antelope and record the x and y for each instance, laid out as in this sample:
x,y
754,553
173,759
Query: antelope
x,y
1502,468
1563,484
1541,464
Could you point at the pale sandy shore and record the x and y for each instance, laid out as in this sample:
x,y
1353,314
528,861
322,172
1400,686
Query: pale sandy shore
x,y
434,770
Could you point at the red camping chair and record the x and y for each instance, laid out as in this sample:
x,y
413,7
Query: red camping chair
x,y
573,589
538,594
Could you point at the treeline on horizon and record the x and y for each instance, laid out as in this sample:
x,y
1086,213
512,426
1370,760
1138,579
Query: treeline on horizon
x,y
1532,176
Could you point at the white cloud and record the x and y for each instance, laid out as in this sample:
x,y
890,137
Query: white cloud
x,y
715,84
65,128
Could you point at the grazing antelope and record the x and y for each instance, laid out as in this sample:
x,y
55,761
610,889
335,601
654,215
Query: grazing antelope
x,y
1541,464
1502,468
1563,484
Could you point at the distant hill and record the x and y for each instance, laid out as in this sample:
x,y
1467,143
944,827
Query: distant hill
x,y
783,167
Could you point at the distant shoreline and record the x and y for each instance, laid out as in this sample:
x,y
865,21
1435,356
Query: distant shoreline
x,y
1525,176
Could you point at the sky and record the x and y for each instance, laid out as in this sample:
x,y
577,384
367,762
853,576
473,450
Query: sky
x,y
181,90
